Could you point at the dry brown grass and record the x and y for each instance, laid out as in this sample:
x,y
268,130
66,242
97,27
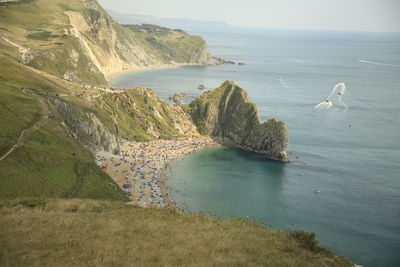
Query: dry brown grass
x,y
101,233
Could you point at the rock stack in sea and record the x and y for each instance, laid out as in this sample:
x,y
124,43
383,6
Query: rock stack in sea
x,y
226,114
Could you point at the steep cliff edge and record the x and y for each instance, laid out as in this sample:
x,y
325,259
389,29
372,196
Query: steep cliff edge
x,y
100,120
227,114
77,40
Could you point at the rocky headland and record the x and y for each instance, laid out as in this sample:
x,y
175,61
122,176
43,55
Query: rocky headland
x,y
226,114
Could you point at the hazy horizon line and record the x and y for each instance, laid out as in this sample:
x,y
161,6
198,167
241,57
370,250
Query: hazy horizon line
x,y
252,27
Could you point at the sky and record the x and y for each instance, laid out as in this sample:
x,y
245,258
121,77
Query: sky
x,y
350,15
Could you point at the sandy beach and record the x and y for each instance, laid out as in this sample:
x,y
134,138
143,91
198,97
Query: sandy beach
x,y
111,75
140,168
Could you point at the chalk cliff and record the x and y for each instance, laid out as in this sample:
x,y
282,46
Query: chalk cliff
x,y
227,114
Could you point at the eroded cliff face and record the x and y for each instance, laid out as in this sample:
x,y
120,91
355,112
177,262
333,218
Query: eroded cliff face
x,y
140,114
86,127
101,121
109,45
227,114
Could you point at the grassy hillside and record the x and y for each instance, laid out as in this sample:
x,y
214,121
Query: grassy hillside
x,y
19,109
49,161
111,234
50,164
18,112
63,117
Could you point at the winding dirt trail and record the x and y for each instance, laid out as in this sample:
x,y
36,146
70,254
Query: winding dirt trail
x,y
24,52
42,121
75,188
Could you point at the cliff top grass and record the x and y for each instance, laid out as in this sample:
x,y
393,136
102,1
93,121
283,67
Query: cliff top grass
x,y
103,233
219,93
36,24
200,108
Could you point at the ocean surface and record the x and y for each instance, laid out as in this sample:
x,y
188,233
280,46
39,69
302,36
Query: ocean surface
x,y
344,179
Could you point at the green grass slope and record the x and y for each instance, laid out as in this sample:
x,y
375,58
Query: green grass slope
x,y
18,112
93,233
49,162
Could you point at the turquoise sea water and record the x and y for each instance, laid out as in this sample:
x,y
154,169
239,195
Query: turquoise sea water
x,y
344,179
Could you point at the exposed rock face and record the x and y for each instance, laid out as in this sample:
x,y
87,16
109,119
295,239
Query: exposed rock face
x,y
137,114
227,114
142,115
112,47
86,127
202,57
72,76
178,98
108,45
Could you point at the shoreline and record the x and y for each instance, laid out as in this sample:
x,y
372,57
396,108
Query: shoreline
x,y
114,74
141,167
163,186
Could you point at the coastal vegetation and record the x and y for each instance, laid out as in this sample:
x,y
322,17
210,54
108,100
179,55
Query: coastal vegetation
x,y
48,161
105,233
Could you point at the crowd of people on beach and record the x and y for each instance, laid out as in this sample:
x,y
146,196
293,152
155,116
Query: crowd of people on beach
x,y
139,169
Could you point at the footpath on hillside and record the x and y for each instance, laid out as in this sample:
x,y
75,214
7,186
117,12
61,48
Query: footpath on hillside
x,y
75,188
25,133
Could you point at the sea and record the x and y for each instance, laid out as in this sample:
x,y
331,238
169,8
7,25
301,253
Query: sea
x,y
343,181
